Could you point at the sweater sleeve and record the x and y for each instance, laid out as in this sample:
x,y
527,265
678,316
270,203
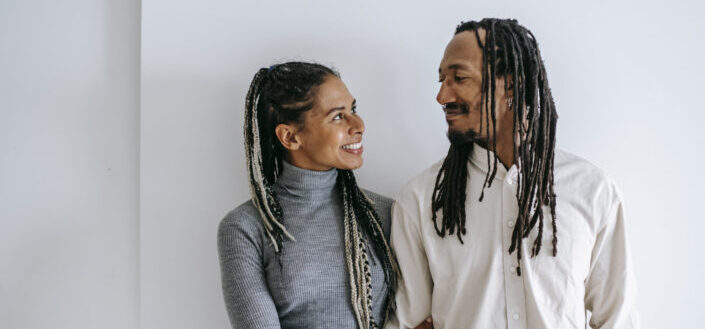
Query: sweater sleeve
x,y
247,298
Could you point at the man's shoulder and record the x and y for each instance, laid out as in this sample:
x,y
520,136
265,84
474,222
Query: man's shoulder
x,y
574,173
421,186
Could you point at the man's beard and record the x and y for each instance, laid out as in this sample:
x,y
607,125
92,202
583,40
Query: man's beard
x,y
461,137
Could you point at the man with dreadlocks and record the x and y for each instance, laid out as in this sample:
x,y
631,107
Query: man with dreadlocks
x,y
309,250
506,231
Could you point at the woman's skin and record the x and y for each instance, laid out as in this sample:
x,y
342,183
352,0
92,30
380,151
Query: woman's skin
x,y
330,136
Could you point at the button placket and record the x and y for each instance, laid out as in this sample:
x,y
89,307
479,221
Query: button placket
x,y
514,284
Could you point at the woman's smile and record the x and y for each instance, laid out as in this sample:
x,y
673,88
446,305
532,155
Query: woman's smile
x,y
354,148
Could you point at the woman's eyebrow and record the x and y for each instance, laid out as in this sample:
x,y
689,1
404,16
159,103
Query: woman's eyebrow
x,y
340,108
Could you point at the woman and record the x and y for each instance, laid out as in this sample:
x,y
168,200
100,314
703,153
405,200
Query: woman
x,y
309,250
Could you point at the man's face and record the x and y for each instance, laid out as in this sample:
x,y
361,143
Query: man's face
x,y
460,75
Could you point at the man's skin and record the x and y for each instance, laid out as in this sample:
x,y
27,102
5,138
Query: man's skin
x,y
470,119
460,74
427,324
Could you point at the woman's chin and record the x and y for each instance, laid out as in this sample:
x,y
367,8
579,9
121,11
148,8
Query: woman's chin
x,y
350,165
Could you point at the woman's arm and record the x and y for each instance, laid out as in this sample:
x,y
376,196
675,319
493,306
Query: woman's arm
x,y
247,296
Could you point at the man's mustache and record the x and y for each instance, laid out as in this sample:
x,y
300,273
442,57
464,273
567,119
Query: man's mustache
x,y
456,108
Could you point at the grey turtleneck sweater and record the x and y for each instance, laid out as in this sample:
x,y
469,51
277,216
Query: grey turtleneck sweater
x,y
310,288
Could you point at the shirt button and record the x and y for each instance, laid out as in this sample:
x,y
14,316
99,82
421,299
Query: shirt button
x,y
510,223
515,316
513,269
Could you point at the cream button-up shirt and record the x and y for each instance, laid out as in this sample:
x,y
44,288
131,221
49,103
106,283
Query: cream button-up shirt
x,y
475,284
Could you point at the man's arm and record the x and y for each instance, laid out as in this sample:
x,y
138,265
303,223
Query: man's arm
x,y
415,287
610,289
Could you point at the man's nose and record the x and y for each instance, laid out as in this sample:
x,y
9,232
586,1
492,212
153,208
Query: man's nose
x,y
445,95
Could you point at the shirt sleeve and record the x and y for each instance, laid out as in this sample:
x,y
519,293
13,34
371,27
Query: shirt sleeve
x,y
247,298
610,290
414,292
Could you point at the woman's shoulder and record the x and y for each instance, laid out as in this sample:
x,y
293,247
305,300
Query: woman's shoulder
x,y
244,219
379,201
383,207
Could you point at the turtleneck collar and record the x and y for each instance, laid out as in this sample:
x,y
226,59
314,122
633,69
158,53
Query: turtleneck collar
x,y
478,157
306,183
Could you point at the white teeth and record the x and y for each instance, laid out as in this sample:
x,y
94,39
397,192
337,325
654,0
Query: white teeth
x,y
354,146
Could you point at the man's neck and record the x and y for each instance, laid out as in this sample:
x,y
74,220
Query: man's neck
x,y
504,151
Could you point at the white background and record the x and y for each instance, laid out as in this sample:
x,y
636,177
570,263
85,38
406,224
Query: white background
x,y
83,214
69,147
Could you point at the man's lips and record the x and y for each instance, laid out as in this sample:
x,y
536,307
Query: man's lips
x,y
453,110
453,114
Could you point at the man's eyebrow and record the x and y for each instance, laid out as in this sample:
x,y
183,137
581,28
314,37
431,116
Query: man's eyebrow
x,y
452,67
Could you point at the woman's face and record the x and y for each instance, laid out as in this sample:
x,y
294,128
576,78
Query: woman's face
x,y
331,133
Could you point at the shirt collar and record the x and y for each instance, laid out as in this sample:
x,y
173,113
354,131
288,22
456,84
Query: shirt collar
x,y
479,156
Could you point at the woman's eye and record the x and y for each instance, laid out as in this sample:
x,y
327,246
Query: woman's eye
x,y
338,116
459,79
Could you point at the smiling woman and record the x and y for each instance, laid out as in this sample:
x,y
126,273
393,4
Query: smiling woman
x,y
309,250
332,134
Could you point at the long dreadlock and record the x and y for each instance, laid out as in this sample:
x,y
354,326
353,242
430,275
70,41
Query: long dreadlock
x,y
511,51
281,94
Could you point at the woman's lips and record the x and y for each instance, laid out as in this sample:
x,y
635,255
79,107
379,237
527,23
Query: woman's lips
x,y
353,148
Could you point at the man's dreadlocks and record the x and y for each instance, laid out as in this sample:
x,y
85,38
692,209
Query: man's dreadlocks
x,y
509,51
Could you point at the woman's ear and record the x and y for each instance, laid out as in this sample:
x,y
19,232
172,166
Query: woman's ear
x,y
288,137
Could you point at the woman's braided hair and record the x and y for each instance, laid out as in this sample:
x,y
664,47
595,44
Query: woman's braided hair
x,y
281,94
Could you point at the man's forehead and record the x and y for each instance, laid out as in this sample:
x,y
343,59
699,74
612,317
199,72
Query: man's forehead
x,y
463,51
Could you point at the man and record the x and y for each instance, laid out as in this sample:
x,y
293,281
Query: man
x,y
506,231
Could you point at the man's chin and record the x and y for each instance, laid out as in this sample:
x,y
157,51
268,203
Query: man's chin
x,y
461,137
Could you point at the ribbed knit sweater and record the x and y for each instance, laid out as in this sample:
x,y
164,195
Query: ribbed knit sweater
x,y
308,287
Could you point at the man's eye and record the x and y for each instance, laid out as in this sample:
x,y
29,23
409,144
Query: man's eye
x,y
354,110
440,80
338,116
458,79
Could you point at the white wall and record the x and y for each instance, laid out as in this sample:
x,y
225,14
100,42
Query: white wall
x,y
69,127
627,78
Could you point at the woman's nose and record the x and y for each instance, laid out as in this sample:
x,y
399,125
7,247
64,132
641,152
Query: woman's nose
x,y
357,125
